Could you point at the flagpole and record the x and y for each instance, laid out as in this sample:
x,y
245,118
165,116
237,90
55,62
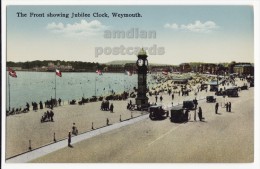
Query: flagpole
x,y
124,83
9,90
55,85
95,86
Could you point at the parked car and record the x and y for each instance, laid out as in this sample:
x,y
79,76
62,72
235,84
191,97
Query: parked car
x,y
245,87
210,99
157,112
177,115
220,92
188,105
232,92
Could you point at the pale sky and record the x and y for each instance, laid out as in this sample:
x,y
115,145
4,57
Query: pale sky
x,y
186,33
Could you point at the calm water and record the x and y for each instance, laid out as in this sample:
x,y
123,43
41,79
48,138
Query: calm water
x,y
40,86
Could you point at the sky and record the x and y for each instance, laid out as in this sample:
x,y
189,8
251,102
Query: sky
x,y
182,34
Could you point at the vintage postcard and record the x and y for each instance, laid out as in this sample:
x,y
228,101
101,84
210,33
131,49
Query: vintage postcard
x,y
120,83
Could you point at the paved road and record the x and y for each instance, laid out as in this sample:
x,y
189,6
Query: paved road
x,y
225,137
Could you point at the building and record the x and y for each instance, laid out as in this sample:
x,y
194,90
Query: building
x,y
185,67
244,69
16,68
52,67
160,68
115,68
130,67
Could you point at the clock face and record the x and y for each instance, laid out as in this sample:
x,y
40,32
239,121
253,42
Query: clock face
x,y
140,62
146,62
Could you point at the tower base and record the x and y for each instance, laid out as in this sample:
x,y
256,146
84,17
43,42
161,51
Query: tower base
x,y
142,103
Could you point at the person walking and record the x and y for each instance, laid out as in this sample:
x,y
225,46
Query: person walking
x,y
216,108
195,101
186,115
27,106
41,105
200,114
111,108
172,96
229,107
51,115
69,139
161,98
59,101
156,97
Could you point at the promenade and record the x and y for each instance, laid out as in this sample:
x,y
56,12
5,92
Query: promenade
x,y
27,126
226,137
39,152
124,144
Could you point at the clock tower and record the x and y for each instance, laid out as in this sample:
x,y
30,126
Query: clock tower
x,y
142,63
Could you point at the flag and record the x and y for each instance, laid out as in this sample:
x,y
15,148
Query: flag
x,y
128,73
12,72
58,72
165,72
99,72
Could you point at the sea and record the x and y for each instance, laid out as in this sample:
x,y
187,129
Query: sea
x,y
40,86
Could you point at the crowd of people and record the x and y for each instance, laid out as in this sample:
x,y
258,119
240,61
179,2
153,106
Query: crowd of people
x,y
47,116
196,85
105,106
35,106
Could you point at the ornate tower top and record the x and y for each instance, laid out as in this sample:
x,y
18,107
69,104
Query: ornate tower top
x,y
142,52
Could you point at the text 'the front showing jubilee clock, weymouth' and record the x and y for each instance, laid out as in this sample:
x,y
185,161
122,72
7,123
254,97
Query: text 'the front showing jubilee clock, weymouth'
x,y
142,64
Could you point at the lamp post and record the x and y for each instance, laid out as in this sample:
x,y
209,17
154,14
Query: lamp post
x,y
95,86
9,92
217,76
